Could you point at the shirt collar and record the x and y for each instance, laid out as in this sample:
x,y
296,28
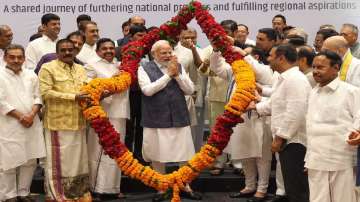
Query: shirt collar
x,y
65,65
46,38
93,47
99,59
333,85
11,72
288,72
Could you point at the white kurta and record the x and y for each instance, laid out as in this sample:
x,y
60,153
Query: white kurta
x,y
87,53
166,144
105,176
17,143
332,113
249,139
185,58
38,48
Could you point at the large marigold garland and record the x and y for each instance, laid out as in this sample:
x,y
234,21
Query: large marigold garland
x,y
109,138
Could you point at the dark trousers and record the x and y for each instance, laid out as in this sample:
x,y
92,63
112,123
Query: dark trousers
x,y
134,131
295,179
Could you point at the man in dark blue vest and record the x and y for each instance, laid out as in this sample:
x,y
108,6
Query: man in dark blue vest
x,y
165,117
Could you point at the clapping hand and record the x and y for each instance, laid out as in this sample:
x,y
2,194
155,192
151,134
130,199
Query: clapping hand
x,y
173,69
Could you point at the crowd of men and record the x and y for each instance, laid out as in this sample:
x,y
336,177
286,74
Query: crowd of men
x,y
306,110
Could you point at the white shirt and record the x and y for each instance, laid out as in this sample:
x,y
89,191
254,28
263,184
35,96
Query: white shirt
x,y
264,74
268,89
38,48
185,58
87,53
332,115
17,143
116,106
288,105
250,42
353,73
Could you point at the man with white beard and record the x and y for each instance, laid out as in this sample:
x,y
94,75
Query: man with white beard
x,y
165,117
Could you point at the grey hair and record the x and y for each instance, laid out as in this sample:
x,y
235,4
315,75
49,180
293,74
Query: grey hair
x,y
158,44
353,27
14,47
189,29
301,32
3,27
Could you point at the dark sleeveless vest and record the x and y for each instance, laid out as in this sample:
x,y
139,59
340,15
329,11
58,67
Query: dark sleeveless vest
x,y
166,108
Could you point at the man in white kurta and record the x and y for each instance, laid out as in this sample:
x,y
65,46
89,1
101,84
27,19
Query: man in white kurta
x,y
88,51
349,70
21,139
332,113
189,57
105,176
250,144
45,44
167,133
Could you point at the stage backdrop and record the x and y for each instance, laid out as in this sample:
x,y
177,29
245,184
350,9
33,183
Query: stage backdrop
x,y
24,15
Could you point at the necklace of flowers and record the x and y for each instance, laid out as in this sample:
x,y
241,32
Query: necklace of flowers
x,y
109,138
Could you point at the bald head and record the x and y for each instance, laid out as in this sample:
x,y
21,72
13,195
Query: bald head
x,y
6,36
336,44
137,20
298,32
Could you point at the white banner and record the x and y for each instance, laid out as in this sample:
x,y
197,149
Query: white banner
x,y
24,15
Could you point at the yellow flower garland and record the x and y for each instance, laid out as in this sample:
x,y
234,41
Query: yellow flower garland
x,y
244,93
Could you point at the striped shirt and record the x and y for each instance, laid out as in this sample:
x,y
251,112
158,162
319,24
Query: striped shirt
x,y
59,83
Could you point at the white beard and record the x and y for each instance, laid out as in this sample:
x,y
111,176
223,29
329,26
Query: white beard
x,y
163,64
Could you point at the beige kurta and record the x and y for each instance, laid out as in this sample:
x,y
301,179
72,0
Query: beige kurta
x,y
185,58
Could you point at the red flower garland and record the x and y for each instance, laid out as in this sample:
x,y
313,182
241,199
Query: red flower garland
x,y
109,138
